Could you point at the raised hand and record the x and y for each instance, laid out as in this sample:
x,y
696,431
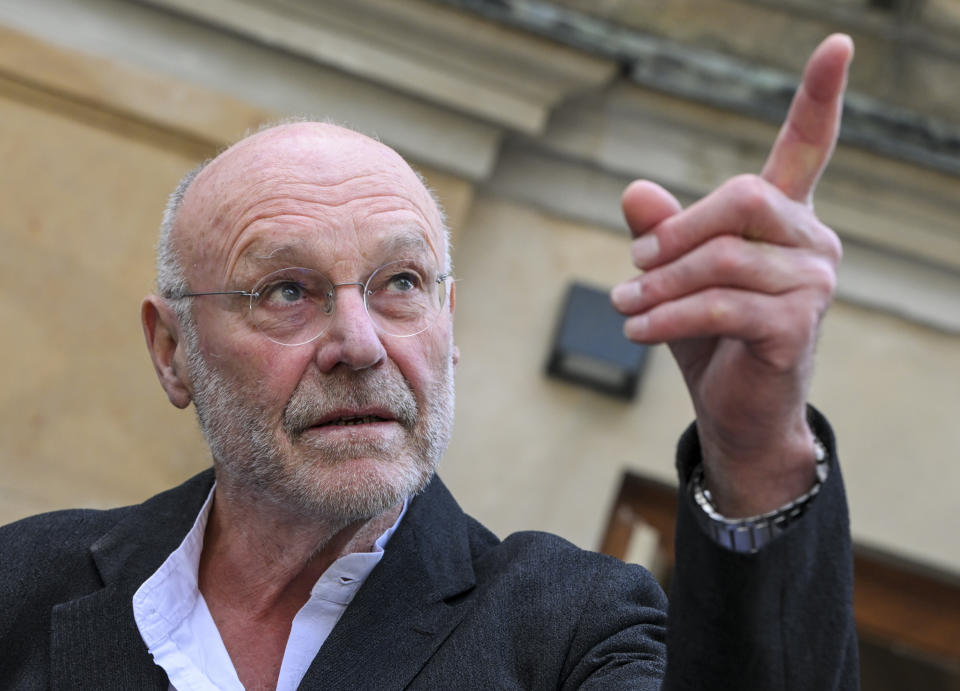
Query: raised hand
x,y
737,284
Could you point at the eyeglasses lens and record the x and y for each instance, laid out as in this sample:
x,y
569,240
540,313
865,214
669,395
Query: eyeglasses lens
x,y
294,306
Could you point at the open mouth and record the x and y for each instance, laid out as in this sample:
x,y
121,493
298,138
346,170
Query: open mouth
x,y
372,419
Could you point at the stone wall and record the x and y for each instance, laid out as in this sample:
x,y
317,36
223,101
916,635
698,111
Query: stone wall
x,y
106,104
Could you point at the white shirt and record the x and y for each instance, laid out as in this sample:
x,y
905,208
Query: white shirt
x,y
181,635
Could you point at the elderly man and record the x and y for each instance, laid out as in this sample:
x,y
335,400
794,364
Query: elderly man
x,y
305,308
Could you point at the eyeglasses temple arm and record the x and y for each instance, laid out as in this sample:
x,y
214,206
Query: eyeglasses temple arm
x,y
215,292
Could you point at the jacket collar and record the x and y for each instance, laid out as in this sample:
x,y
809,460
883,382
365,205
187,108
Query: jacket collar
x,y
407,607
410,603
94,639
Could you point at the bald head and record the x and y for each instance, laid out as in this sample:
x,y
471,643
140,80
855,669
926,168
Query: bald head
x,y
321,164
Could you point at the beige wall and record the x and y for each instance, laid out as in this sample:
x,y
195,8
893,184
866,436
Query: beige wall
x,y
892,391
87,166
82,419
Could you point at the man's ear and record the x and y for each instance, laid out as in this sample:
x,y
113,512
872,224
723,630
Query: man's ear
x,y
161,328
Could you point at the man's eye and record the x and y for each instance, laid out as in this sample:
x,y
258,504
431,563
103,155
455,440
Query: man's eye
x,y
403,282
286,292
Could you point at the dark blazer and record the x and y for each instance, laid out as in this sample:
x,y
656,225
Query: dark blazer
x,y
452,607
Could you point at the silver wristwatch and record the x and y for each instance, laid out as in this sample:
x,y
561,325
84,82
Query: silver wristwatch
x,y
748,535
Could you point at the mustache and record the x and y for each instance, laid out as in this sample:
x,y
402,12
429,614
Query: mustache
x,y
313,400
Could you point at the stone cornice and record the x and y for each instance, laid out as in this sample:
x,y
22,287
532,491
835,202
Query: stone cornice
x,y
728,81
495,73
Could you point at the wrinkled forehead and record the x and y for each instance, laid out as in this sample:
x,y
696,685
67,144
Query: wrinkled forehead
x,y
293,172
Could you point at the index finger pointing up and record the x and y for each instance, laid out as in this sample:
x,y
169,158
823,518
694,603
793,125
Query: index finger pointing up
x,y
808,135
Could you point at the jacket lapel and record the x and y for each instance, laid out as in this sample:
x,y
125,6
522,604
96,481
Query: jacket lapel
x,y
407,607
95,643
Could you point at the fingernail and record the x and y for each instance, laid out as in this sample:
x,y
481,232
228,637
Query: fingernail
x,y
625,295
645,249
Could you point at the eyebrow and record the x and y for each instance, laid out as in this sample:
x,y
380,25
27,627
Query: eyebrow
x,y
398,245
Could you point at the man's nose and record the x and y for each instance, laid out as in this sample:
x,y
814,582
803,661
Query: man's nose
x,y
351,339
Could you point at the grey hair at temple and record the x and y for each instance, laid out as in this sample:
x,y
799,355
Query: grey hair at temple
x,y
171,277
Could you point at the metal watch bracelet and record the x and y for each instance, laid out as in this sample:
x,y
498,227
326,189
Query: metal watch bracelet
x,y
749,535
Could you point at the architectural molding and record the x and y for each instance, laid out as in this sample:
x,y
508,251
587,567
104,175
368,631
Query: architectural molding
x,y
917,291
630,132
726,80
263,77
95,88
451,58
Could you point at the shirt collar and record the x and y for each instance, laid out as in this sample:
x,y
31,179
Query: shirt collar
x,y
169,596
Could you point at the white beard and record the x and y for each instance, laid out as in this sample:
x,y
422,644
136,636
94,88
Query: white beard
x,y
315,478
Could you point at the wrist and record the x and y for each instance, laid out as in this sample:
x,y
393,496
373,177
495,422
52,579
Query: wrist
x,y
753,480
750,534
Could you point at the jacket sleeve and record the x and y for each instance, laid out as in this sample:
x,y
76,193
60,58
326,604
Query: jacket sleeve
x,y
778,619
620,633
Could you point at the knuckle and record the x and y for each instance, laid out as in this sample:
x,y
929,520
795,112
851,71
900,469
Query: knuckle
x,y
667,282
652,287
799,313
727,256
750,194
791,331
719,310
792,325
824,278
834,246
825,241
782,359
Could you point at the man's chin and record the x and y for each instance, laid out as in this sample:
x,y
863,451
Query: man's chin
x,y
355,485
